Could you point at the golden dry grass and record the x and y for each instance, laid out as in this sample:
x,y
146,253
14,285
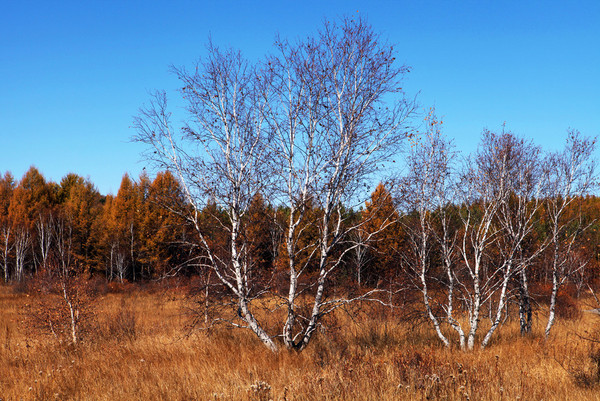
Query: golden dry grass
x,y
359,359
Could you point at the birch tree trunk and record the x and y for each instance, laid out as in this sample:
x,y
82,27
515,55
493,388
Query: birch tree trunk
x,y
44,231
426,187
22,242
525,312
6,248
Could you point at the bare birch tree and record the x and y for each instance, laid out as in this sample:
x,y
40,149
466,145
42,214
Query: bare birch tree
x,y
7,186
6,246
44,227
221,159
426,193
315,123
517,217
64,305
498,193
361,254
481,198
570,175
333,129
63,242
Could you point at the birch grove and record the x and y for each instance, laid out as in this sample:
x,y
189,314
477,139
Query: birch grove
x,y
483,261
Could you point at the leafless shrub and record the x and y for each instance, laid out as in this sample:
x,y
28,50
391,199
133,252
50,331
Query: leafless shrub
x,y
62,306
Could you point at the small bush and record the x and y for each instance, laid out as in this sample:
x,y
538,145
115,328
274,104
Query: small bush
x,y
115,287
588,376
62,306
566,307
97,285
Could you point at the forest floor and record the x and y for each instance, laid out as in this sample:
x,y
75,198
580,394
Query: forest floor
x,y
141,348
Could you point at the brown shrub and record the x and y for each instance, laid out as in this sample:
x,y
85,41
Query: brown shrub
x,y
567,307
61,306
115,287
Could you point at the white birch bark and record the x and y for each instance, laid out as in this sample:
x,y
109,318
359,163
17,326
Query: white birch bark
x,y
44,232
7,246
22,243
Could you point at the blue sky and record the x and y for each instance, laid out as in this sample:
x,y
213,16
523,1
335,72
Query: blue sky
x,y
74,73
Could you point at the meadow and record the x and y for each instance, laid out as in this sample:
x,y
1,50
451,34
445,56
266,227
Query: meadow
x,y
142,348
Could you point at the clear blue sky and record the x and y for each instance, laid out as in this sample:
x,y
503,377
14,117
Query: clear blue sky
x,y
74,73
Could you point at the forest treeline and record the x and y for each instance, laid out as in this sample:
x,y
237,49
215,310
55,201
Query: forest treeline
x,y
124,237
141,233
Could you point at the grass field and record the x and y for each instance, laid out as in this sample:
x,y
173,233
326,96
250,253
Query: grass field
x,y
141,349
